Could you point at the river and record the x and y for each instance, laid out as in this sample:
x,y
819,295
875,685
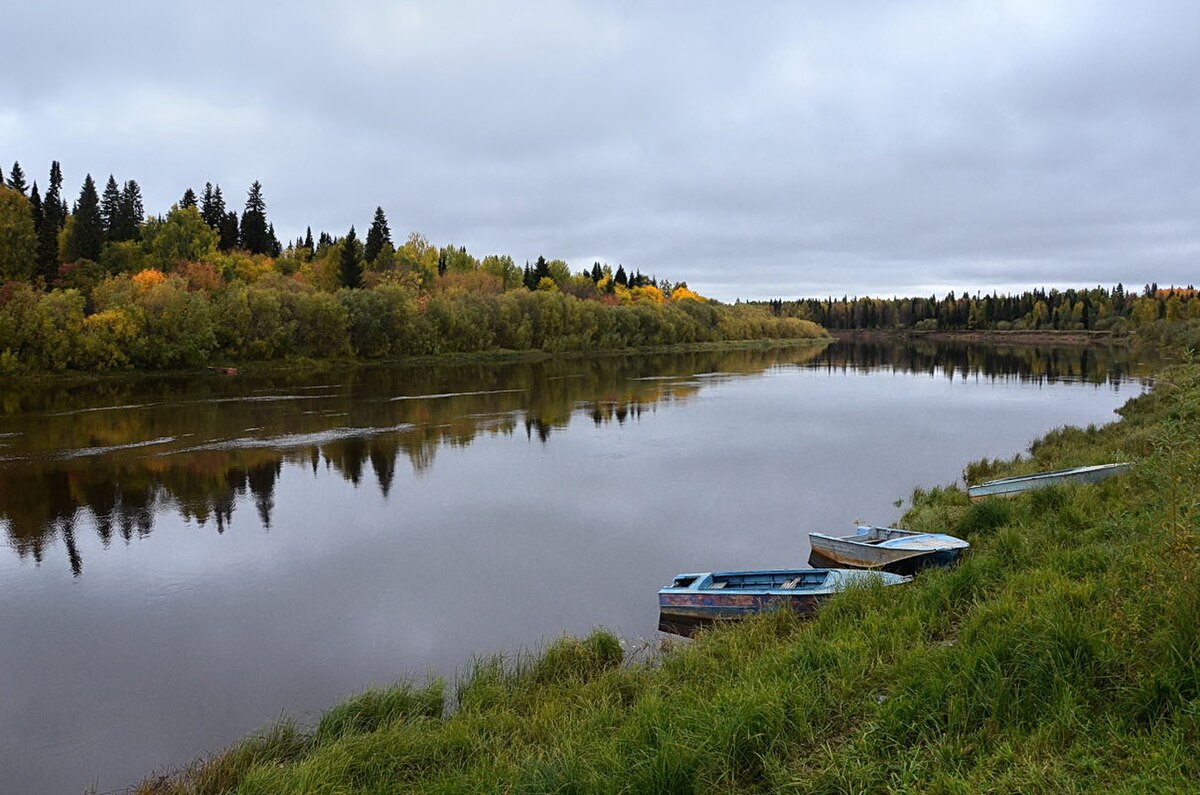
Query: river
x,y
185,559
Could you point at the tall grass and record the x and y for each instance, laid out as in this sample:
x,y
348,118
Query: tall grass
x,y
1062,655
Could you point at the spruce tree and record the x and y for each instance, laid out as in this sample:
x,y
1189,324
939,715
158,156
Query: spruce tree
x,y
254,235
35,206
621,278
16,178
228,233
54,216
189,198
351,270
110,206
377,236
212,207
596,273
308,242
275,248
130,213
87,231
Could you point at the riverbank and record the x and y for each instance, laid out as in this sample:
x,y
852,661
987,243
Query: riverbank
x,y
1048,337
1062,655
302,365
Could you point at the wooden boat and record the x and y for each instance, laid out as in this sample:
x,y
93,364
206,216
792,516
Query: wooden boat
x,y
1015,485
885,548
695,600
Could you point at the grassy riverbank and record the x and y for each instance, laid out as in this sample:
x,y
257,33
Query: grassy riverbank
x,y
1062,655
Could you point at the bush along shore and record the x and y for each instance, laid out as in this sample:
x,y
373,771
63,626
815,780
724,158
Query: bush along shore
x,y
1061,655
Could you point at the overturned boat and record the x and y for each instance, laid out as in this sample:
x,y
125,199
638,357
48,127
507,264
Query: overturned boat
x,y
1015,485
885,548
695,600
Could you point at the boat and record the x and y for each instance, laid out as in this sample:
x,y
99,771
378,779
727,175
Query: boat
x,y
885,548
695,600
1008,486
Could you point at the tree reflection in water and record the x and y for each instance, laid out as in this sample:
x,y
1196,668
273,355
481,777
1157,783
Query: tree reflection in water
x,y
115,455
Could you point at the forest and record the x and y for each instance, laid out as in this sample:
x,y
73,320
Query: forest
x,y
101,285
1114,310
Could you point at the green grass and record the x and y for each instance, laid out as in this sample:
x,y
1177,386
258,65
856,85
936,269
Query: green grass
x,y
1061,655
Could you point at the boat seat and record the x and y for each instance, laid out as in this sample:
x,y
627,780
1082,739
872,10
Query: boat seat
x,y
792,583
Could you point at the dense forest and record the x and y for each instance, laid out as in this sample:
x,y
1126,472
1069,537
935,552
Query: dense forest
x,y
1096,309
101,285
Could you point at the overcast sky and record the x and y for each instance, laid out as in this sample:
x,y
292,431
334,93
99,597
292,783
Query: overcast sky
x,y
755,150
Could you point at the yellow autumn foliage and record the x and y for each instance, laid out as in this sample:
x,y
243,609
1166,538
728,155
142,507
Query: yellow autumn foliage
x,y
682,293
648,293
149,278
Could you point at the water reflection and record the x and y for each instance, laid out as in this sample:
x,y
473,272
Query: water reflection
x,y
126,451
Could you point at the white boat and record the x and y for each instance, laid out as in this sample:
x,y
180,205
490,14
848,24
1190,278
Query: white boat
x,y
886,548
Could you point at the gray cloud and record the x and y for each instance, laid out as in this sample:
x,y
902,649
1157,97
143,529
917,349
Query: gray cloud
x,y
776,150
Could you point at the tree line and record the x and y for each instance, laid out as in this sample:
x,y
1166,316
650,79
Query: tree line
x,y
1096,309
102,285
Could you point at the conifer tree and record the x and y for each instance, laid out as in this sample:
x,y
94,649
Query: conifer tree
x,y
275,248
254,235
228,233
351,270
16,178
596,273
621,278
130,213
308,241
110,206
212,207
377,236
189,198
2,182
35,206
86,234
54,216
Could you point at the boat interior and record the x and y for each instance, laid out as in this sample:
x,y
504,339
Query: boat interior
x,y
769,580
877,535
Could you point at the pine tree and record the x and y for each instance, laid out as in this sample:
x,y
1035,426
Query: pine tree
x,y
308,241
254,235
110,206
228,232
54,216
377,236
276,249
16,178
596,274
621,278
189,198
87,231
351,270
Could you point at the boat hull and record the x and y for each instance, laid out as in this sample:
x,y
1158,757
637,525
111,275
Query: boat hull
x,y
1008,487
685,614
907,565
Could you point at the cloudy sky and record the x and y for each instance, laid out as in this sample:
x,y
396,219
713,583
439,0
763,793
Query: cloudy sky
x,y
755,150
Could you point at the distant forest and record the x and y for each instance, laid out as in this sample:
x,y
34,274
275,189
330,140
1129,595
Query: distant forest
x,y
1097,309
99,284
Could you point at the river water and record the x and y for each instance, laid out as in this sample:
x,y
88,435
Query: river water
x,y
183,560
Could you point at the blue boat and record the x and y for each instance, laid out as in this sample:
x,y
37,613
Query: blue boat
x,y
886,549
1005,487
695,600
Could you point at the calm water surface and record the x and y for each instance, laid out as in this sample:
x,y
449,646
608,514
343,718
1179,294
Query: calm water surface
x,y
183,560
